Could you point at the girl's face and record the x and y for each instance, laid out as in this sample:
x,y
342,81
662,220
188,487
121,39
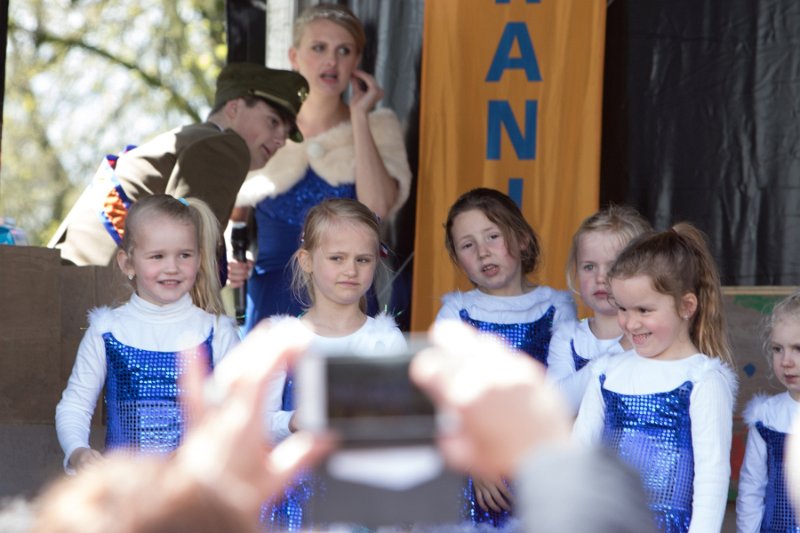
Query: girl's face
x,y
483,254
785,348
650,320
164,260
326,56
343,265
596,252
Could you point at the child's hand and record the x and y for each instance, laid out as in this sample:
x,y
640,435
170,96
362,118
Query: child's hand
x,y
83,457
492,494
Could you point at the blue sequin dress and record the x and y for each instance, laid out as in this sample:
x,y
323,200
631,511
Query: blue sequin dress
x,y
763,503
671,420
142,395
527,323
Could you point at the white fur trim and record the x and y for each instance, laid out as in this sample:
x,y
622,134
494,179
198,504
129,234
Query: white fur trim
x,y
755,409
101,318
714,364
332,155
384,322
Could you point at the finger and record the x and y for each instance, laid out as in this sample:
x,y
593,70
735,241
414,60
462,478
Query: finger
x,y
268,347
489,502
497,498
299,451
479,498
190,383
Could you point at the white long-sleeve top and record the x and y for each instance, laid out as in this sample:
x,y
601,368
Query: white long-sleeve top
x,y
520,309
379,335
147,326
710,411
561,365
776,412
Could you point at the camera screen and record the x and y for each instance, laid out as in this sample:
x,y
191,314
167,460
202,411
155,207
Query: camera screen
x,y
374,399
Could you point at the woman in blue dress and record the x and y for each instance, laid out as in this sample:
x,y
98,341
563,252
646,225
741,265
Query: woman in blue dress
x,y
348,151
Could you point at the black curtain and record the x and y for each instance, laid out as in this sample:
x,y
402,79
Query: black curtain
x,y
246,30
701,124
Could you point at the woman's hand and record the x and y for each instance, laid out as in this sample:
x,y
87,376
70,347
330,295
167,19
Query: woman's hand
x,y
492,494
238,272
365,92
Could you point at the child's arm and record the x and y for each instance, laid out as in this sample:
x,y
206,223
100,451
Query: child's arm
x,y
752,484
710,410
277,421
588,428
226,337
74,411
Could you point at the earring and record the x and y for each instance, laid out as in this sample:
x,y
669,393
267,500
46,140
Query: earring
x,y
130,277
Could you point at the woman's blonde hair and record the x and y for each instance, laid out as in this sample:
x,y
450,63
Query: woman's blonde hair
x,y
205,292
622,221
679,262
321,218
336,13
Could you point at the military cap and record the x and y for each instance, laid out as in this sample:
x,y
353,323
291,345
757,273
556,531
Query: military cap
x,y
283,88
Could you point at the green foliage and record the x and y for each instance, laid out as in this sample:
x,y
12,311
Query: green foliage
x,y
85,78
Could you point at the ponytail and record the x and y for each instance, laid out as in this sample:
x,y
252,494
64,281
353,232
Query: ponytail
x,y
206,290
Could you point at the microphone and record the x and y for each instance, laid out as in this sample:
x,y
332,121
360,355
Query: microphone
x,y
239,244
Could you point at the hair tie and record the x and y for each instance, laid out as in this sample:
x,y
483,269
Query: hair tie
x,y
183,201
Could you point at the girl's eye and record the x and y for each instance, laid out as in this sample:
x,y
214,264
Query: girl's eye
x,y
466,245
318,47
494,236
343,51
588,267
775,349
364,260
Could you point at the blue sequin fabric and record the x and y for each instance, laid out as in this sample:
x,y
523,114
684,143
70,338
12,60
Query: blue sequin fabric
x,y
579,361
532,338
144,412
288,513
778,514
653,434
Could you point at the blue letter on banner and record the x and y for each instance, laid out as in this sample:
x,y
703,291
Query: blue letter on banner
x,y
500,114
515,31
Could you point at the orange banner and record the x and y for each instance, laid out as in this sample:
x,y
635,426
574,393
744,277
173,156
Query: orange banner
x,y
511,99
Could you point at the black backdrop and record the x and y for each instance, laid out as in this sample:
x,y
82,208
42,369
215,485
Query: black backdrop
x,y
702,123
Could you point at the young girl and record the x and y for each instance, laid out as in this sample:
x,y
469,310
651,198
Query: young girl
x,y
333,269
168,253
763,503
665,407
595,246
488,237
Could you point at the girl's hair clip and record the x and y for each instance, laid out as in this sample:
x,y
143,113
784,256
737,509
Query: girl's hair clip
x,y
183,201
383,250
